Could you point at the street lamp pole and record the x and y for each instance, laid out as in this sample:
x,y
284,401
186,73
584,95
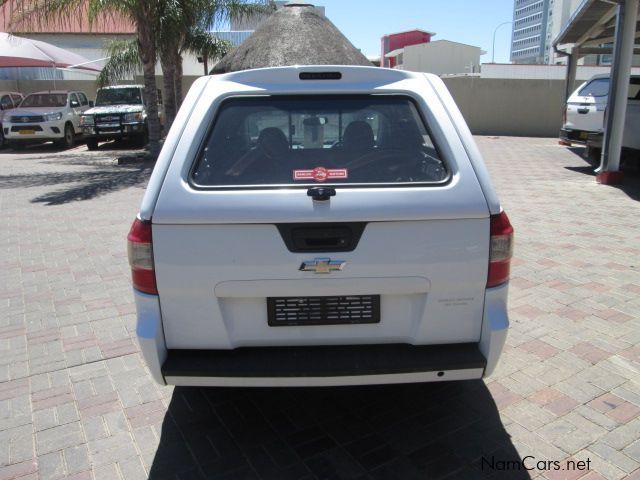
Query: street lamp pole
x,y
493,50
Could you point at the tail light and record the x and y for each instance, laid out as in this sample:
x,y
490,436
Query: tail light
x,y
564,114
501,250
140,249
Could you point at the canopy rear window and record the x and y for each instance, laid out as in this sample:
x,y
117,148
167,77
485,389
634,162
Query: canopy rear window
x,y
595,88
311,140
600,88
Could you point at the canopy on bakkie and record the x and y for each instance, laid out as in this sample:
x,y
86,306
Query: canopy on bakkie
x,y
293,35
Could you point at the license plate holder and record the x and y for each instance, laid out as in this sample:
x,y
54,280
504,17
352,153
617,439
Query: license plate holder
x,y
330,310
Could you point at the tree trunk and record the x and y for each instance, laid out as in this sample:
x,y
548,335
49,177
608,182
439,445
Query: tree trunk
x,y
178,80
168,76
148,56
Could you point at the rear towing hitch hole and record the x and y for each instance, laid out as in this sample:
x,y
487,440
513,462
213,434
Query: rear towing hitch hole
x,y
441,374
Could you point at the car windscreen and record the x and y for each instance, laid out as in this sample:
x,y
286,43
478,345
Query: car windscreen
x,y
310,140
45,100
118,96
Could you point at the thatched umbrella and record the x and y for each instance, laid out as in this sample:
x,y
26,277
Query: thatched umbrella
x,y
293,35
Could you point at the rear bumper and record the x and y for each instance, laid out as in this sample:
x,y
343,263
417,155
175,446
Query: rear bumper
x,y
495,325
324,365
150,333
574,136
331,365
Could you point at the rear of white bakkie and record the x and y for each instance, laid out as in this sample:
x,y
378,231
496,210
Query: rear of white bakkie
x,y
316,226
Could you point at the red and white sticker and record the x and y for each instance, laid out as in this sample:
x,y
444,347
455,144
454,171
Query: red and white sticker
x,y
320,174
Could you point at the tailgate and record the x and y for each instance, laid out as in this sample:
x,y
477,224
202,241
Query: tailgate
x,y
585,113
321,219
214,282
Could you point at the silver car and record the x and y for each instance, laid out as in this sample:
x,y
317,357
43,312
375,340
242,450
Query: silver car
x,y
315,226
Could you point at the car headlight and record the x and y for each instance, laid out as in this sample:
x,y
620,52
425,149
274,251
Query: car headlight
x,y
87,120
133,117
53,116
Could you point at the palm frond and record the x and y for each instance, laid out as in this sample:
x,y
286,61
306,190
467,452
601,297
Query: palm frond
x,y
213,13
170,17
202,43
124,62
37,15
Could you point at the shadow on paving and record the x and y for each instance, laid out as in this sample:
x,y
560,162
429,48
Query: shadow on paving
x,y
80,185
406,432
49,147
630,184
30,149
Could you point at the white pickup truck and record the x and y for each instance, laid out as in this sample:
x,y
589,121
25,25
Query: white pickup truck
x,y
584,115
119,112
313,226
46,116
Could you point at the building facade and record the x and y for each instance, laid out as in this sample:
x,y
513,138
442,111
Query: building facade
x,y
396,41
535,25
529,30
442,57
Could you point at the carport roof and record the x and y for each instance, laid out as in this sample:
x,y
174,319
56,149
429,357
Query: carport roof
x,y
593,23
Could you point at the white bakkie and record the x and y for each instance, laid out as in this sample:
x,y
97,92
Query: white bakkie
x,y
584,113
44,116
320,225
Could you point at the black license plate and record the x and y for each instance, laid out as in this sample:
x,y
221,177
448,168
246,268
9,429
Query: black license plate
x,y
353,309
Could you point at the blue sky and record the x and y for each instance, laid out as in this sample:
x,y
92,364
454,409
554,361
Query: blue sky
x,y
465,21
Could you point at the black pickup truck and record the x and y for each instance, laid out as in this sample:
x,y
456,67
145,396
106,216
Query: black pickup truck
x,y
119,112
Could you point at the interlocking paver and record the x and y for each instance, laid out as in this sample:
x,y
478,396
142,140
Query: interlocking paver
x,y
633,450
59,437
19,470
76,400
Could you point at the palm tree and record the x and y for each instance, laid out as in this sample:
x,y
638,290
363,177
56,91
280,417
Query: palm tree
x,y
184,28
197,42
144,14
124,61
165,29
207,47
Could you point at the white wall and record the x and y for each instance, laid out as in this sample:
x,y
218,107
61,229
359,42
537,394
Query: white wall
x,y
542,72
490,106
530,108
441,57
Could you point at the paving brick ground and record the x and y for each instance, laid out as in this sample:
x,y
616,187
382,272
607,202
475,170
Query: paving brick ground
x,y
77,402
